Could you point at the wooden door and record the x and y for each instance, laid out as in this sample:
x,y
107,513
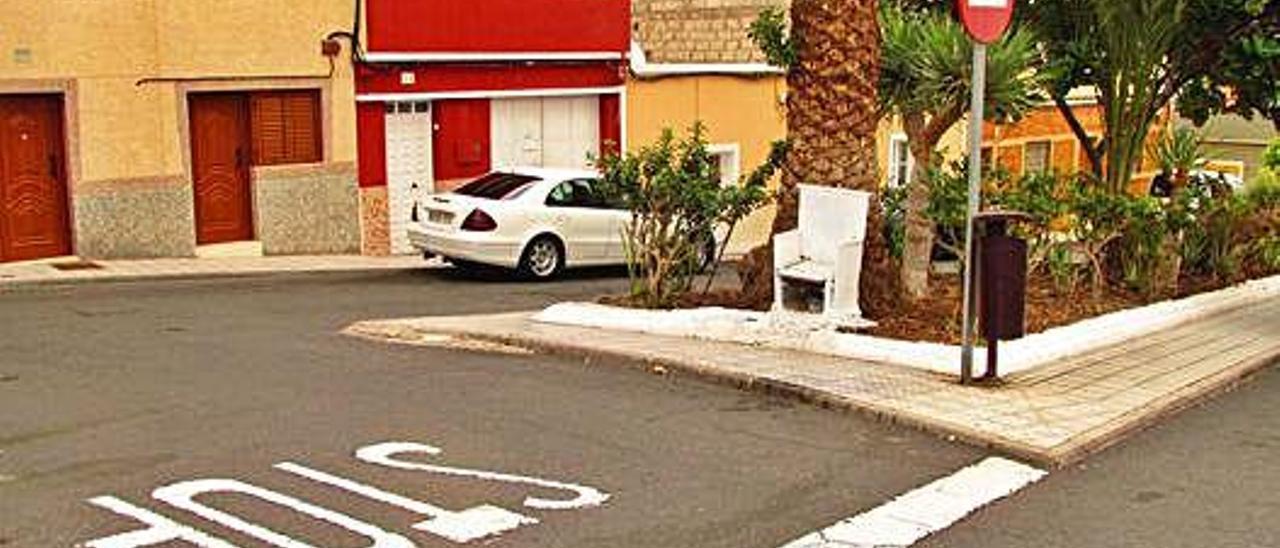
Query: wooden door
x,y
220,153
34,222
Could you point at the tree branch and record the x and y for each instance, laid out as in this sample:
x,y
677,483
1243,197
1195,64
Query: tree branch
x,y
1082,135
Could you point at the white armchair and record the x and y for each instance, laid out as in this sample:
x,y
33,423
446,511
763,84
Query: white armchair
x,y
824,252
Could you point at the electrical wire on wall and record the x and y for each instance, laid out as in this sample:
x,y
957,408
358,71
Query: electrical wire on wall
x,y
357,56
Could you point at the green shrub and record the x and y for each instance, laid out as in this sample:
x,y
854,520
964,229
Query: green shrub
x,y
1099,217
1257,239
1142,242
674,193
1271,158
1209,243
1042,197
1264,189
949,206
1060,262
894,200
1178,151
949,201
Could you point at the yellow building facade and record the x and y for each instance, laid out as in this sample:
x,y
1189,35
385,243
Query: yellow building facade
x,y
141,169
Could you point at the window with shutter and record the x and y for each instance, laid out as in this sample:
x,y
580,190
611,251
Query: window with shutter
x,y
286,127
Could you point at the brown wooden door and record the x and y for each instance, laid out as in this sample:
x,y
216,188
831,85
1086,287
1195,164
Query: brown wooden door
x,y
34,222
220,165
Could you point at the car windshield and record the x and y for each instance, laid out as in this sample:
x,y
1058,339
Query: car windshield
x,y
498,186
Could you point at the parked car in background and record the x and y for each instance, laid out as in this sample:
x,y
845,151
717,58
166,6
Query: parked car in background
x,y
536,221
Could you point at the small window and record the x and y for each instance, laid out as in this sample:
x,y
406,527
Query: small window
x,y
988,160
1037,157
901,164
728,163
286,127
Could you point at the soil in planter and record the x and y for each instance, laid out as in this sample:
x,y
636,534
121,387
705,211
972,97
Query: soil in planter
x,y
937,318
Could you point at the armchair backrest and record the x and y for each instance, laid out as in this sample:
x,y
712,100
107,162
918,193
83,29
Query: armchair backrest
x,y
830,217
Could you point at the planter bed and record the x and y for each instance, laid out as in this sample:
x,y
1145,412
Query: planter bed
x,y
1051,344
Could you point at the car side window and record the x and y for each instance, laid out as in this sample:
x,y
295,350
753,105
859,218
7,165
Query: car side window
x,y
575,193
561,195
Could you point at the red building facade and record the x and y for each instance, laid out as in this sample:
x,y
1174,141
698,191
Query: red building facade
x,y
450,89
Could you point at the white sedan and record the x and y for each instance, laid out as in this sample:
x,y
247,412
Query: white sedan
x,y
537,221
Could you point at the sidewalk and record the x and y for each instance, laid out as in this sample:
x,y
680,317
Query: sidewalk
x,y
1053,415
73,270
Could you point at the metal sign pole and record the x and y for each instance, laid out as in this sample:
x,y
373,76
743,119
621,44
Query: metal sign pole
x,y
975,201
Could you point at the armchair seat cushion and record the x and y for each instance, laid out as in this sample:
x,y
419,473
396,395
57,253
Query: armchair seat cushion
x,y
808,270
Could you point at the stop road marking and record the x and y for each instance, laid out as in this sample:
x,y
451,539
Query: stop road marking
x,y
456,526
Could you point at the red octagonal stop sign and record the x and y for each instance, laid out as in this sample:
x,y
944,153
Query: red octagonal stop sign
x,y
985,20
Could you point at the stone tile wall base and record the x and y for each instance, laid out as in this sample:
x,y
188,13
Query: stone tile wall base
x,y
132,221
375,223
304,211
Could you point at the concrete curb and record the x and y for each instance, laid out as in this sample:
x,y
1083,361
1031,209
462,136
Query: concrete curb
x,y
1075,449
7,285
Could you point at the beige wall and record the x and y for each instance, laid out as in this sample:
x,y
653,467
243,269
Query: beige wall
x,y
101,48
743,111
747,111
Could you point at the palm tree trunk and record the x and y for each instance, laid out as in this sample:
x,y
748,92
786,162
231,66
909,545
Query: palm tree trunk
x,y
831,125
917,253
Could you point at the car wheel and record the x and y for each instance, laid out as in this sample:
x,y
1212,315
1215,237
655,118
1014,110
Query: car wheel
x,y
543,259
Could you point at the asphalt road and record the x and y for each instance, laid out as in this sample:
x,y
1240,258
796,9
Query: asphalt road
x,y
117,390
1209,477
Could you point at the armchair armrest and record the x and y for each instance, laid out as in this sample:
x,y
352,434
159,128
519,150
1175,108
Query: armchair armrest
x,y
848,276
849,256
786,249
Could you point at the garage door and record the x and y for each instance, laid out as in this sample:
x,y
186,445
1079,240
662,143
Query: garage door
x,y
34,222
561,132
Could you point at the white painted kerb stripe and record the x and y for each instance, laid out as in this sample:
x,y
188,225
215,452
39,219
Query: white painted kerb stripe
x,y
919,513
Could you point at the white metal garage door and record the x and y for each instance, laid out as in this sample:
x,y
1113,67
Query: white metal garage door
x,y
559,132
409,176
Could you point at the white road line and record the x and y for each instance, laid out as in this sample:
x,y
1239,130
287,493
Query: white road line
x,y
919,513
384,454
159,529
460,527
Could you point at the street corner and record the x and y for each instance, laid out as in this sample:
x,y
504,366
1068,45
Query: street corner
x,y
413,333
